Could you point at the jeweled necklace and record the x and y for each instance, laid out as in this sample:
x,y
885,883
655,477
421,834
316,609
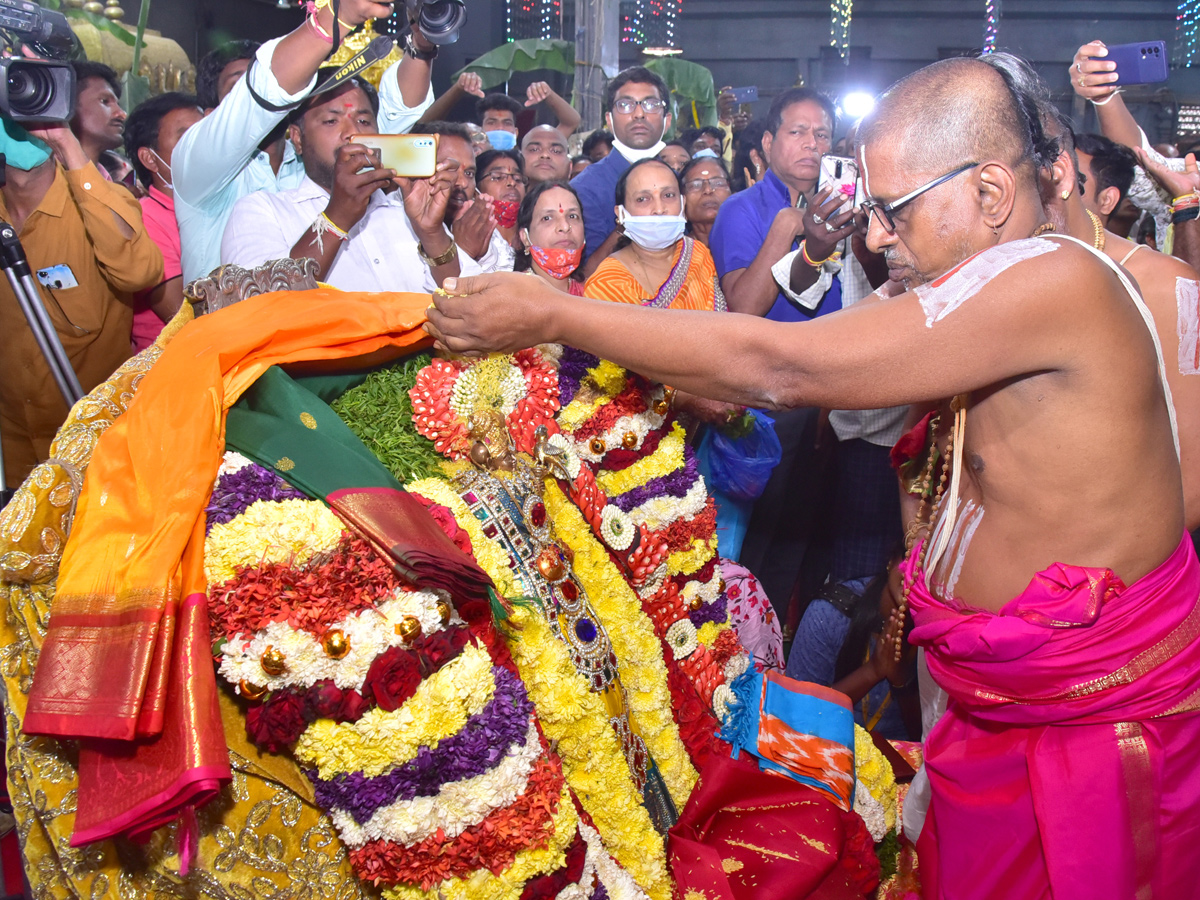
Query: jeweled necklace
x,y
1099,239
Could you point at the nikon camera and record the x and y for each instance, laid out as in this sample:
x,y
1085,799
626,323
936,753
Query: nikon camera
x,y
36,91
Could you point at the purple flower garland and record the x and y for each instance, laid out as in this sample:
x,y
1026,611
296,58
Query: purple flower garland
x,y
236,491
478,747
573,367
709,612
675,484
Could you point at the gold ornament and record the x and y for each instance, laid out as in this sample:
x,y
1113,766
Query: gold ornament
x,y
112,10
696,603
409,628
550,565
598,446
93,6
251,691
629,440
273,662
661,407
335,643
445,610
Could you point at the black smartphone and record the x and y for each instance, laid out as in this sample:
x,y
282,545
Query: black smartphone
x,y
745,94
1144,63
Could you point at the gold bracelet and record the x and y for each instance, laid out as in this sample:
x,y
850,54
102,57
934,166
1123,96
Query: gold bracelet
x,y
434,261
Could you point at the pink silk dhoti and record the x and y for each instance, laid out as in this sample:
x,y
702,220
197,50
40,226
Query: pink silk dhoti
x,y
1067,764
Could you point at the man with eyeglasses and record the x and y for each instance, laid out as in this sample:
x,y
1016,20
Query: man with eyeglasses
x,y
639,115
547,157
1051,582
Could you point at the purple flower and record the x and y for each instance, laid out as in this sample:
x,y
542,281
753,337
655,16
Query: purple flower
x,y
709,612
572,369
675,484
236,491
601,892
482,743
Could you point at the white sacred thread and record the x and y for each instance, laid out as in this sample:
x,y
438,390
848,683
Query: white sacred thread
x,y
1187,299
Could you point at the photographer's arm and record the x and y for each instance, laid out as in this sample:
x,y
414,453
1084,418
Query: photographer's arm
x,y
406,90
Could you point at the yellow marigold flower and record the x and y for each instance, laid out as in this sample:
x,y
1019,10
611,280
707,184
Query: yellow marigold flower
x,y
284,531
708,632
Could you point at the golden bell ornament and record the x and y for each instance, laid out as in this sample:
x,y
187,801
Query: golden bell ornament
x,y
273,662
445,611
661,407
409,628
696,603
629,440
251,691
335,643
93,6
114,12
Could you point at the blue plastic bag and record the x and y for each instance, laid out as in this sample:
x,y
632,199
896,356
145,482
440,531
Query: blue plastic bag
x,y
742,466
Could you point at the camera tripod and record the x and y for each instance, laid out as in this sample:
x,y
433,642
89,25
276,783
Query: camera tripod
x,y
29,298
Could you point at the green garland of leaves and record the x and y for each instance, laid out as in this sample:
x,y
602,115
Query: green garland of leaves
x,y
380,412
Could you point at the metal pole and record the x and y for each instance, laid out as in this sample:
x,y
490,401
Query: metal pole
x,y
597,50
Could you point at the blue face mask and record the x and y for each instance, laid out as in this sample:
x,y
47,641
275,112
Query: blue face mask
x,y
501,140
707,152
21,150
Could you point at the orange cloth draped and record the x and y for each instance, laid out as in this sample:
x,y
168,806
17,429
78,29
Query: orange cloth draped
x,y
127,651
613,282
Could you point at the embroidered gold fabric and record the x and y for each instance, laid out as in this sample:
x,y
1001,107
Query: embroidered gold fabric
x,y
261,839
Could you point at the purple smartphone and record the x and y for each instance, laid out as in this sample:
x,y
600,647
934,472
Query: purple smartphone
x,y
1144,63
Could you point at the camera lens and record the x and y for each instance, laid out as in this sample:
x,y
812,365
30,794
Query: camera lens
x,y
30,90
442,18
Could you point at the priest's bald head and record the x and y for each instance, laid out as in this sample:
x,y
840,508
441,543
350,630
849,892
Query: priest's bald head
x,y
950,159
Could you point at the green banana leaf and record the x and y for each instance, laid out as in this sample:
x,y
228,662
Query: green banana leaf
x,y
692,91
497,66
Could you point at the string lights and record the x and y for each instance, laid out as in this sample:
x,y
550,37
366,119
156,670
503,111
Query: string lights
x,y
840,14
649,23
991,27
1185,32
533,19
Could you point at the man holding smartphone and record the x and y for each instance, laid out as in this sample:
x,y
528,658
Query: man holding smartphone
x,y
347,214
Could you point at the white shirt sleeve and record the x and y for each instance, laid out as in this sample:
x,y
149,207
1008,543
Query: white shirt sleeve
x,y
254,233
810,298
213,151
394,116
499,256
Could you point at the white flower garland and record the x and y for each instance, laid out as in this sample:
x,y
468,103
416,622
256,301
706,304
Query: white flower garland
x,y
619,883
232,462
639,424
455,808
659,512
681,638
708,592
570,458
736,666
270,531
871,811
369,633
616,528
464,394
722,697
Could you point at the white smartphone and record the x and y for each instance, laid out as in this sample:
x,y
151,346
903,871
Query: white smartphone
x,y
410,155
840,173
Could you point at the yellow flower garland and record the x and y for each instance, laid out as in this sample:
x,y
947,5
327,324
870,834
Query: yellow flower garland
x,y
707,634
684,562
491,557
875,772
665,459
510,884
268,531
381,740
639,653
593,762
609,378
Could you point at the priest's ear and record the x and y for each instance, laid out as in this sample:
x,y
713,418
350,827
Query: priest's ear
x,y
1108,200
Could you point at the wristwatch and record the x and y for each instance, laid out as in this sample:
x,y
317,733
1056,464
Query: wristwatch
x,y
411,49
434,261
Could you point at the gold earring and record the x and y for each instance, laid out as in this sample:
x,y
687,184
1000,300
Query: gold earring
x,y
1066,195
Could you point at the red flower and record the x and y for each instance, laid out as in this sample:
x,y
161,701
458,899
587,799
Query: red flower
x,y
858,861
442,646
392,678
911,444
277,723
328,701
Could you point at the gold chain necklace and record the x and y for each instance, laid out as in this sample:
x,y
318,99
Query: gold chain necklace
x,y
1100,239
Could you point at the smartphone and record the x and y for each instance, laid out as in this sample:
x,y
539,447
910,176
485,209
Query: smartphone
x,y
745,94
410,155
1144,63
841,173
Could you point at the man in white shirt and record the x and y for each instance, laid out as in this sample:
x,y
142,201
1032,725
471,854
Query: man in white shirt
x,y
346,213
227,155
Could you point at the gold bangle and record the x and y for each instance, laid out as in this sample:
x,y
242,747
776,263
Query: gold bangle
x,y
434,261
816,264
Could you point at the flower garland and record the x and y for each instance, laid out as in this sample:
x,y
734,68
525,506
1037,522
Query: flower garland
x,y
666,459
522,387
658,513
509,884
379,740
876,796
593,761
698,553
491,556
361,637
239,486
291,531
642,672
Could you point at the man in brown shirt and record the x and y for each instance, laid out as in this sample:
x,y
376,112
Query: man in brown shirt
x,y
85,242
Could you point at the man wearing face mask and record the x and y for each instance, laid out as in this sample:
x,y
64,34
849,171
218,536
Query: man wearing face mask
x,y
639,115
498,113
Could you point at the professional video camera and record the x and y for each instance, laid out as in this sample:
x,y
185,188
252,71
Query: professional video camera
x,y
36,91
440,20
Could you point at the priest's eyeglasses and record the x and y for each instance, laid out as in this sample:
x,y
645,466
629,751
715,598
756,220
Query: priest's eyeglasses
x,y
884,212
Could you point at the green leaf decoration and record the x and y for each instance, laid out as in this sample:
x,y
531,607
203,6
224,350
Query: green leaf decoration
x,y
497,66
690,83
102,24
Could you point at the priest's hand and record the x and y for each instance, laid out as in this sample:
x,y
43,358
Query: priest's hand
x,y
501,311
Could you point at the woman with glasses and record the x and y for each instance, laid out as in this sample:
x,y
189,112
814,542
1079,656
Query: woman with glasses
x,y
498,175
550,231
705,188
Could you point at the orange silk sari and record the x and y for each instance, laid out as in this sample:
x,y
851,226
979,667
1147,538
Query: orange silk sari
x,y
695,282
127,652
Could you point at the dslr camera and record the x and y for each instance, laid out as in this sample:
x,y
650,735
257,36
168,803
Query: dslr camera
x,y
36,91
440,20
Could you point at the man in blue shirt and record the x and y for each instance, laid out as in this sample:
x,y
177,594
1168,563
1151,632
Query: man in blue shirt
x,y
754,231
639,104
